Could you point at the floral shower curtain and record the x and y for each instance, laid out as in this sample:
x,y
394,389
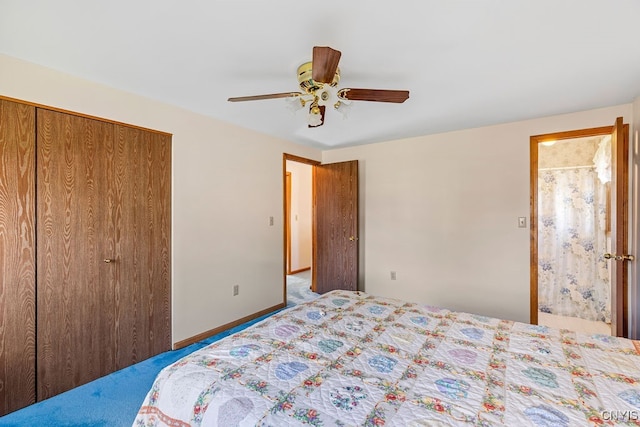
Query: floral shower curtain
x,y
573,276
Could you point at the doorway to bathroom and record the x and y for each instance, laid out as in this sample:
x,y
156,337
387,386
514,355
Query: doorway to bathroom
x,y
579,229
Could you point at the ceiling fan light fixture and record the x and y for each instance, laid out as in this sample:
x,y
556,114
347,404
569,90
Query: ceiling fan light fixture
x,y
343,107
318,80
326,95
314,119
295,103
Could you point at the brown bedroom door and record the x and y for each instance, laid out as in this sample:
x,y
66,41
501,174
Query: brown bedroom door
x,y
141,187
17,256
74,283
618,212
336,226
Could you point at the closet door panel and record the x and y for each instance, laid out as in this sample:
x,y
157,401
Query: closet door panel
x,y
75,318
17,256
142,224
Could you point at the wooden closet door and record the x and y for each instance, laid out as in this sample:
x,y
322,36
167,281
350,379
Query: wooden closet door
x,y
75,293
17,256
142,224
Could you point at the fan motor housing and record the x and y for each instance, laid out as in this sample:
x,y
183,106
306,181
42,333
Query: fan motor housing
x,y
307,84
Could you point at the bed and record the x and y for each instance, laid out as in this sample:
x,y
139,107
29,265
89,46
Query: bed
x,y
352,359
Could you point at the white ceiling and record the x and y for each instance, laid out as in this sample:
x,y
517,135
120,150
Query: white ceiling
x,y
467,63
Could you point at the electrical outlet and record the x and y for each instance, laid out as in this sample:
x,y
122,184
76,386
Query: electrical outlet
x,y
236,290
393,275
270,220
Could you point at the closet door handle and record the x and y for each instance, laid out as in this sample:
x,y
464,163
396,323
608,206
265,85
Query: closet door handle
x,y
108,261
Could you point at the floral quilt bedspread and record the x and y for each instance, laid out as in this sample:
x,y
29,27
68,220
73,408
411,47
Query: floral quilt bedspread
x,y
348,359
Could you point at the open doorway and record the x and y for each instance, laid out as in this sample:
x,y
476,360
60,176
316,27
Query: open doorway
x,y
574,233
334,219
298,230
579,229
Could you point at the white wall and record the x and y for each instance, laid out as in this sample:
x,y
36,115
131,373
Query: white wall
x,y
227,182
301,215
442,210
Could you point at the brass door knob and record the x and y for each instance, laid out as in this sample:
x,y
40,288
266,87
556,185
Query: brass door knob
x,y
619,257
353,238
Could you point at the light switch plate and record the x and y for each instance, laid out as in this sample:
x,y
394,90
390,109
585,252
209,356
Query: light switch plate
x,y
522,221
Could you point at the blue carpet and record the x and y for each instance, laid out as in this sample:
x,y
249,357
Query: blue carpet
x,y
110,401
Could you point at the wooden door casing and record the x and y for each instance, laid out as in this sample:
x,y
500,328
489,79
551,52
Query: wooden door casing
x,y
17,256
287,222
336,226
75,342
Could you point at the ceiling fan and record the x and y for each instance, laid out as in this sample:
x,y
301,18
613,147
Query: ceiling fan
x,y
319,79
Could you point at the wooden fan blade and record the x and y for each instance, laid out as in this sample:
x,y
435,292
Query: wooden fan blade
x,y
268,96
325,63
322,108
378,95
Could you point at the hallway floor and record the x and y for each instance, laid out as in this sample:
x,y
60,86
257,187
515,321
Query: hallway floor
x,y
299,288
573,323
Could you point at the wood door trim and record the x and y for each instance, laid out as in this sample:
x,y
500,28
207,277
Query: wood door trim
x,y
86,116
294,158
287,221
533,229
572,134
533,201
300,270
